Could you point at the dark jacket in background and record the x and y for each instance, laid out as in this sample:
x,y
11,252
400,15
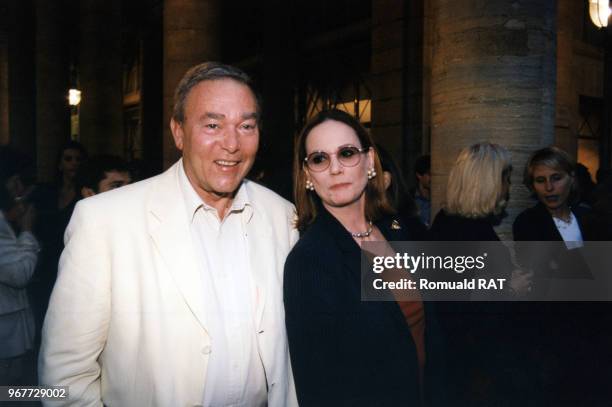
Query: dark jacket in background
x,y
573,339
487,351
345,351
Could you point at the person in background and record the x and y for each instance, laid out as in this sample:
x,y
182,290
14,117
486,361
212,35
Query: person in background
x,y
101,174
54,205
422,191
397,192
345,351
585,188
574,338
486,346
18,256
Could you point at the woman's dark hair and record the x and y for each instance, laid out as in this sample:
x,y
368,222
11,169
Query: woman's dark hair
x,y
10,164
397,192
69,145
307,202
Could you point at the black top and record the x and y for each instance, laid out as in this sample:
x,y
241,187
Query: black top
x,y
448,227
536,224
344,351
485,353
573,337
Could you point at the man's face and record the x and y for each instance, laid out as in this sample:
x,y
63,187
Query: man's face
x,y
219,136
113,180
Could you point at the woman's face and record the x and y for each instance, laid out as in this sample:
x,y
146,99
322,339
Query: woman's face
x,y
339,184
552,186
70,162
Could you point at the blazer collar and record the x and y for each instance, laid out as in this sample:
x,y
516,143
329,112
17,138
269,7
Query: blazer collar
x,y
549,223
168,226
262,257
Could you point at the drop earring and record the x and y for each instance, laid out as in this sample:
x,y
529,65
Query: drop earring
x,y
371,173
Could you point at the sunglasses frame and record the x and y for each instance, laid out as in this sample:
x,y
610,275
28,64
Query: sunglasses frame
x,y
361,150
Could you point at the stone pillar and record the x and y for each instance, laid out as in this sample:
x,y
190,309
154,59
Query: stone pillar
x,y
191,36
387,78
493,78
566,118
100,77
397,80
52,84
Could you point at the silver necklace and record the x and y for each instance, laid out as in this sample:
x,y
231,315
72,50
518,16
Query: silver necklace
x,y
363,234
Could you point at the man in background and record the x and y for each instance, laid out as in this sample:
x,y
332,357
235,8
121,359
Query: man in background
x,y
422,192
101,174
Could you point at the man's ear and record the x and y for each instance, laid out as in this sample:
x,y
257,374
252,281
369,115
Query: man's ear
x,y
177,133
87,192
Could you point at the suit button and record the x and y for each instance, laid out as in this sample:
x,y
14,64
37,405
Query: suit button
x,y
206,349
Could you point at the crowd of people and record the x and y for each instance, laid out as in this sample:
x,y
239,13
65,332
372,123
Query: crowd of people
x,y
33,219
200,287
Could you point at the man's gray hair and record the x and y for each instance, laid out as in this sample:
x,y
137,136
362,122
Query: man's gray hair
x,y
207,71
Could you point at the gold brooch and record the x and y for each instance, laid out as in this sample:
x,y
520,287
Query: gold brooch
x,y
395,225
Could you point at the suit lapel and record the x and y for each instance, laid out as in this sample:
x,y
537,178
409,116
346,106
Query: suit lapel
x,y
262,257
169,229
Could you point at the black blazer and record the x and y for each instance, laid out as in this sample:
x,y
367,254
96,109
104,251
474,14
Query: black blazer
x,y
574,337
553,260
344,351
536,224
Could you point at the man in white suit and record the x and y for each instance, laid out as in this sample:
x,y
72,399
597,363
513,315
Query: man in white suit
x,y
169,290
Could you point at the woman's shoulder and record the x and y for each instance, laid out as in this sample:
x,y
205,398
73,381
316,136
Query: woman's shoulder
x,y
527,221
454,227
314,240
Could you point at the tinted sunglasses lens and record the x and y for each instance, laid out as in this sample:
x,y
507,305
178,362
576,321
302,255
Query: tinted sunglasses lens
x,y
349,156
318,161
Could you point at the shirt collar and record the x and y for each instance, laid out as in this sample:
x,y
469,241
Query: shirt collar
x,y
241,202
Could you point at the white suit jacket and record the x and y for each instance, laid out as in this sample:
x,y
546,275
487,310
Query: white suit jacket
x,y
125,325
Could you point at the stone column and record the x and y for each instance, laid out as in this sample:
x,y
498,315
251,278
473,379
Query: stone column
x,y
493,78
191,36
52,83
566,118
387,78
100,77
397,80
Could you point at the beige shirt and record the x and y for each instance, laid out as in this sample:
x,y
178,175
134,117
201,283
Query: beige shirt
x,y
235,374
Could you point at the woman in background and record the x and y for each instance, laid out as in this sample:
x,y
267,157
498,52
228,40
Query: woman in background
x,y
486,349
345,351
397,193
18,256
574,338
54,204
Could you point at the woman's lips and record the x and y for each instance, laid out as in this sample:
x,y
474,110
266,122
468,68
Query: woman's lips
x,y
341,185
551,198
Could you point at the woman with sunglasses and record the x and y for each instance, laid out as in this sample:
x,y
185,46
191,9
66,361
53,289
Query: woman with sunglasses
x,y
345,351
